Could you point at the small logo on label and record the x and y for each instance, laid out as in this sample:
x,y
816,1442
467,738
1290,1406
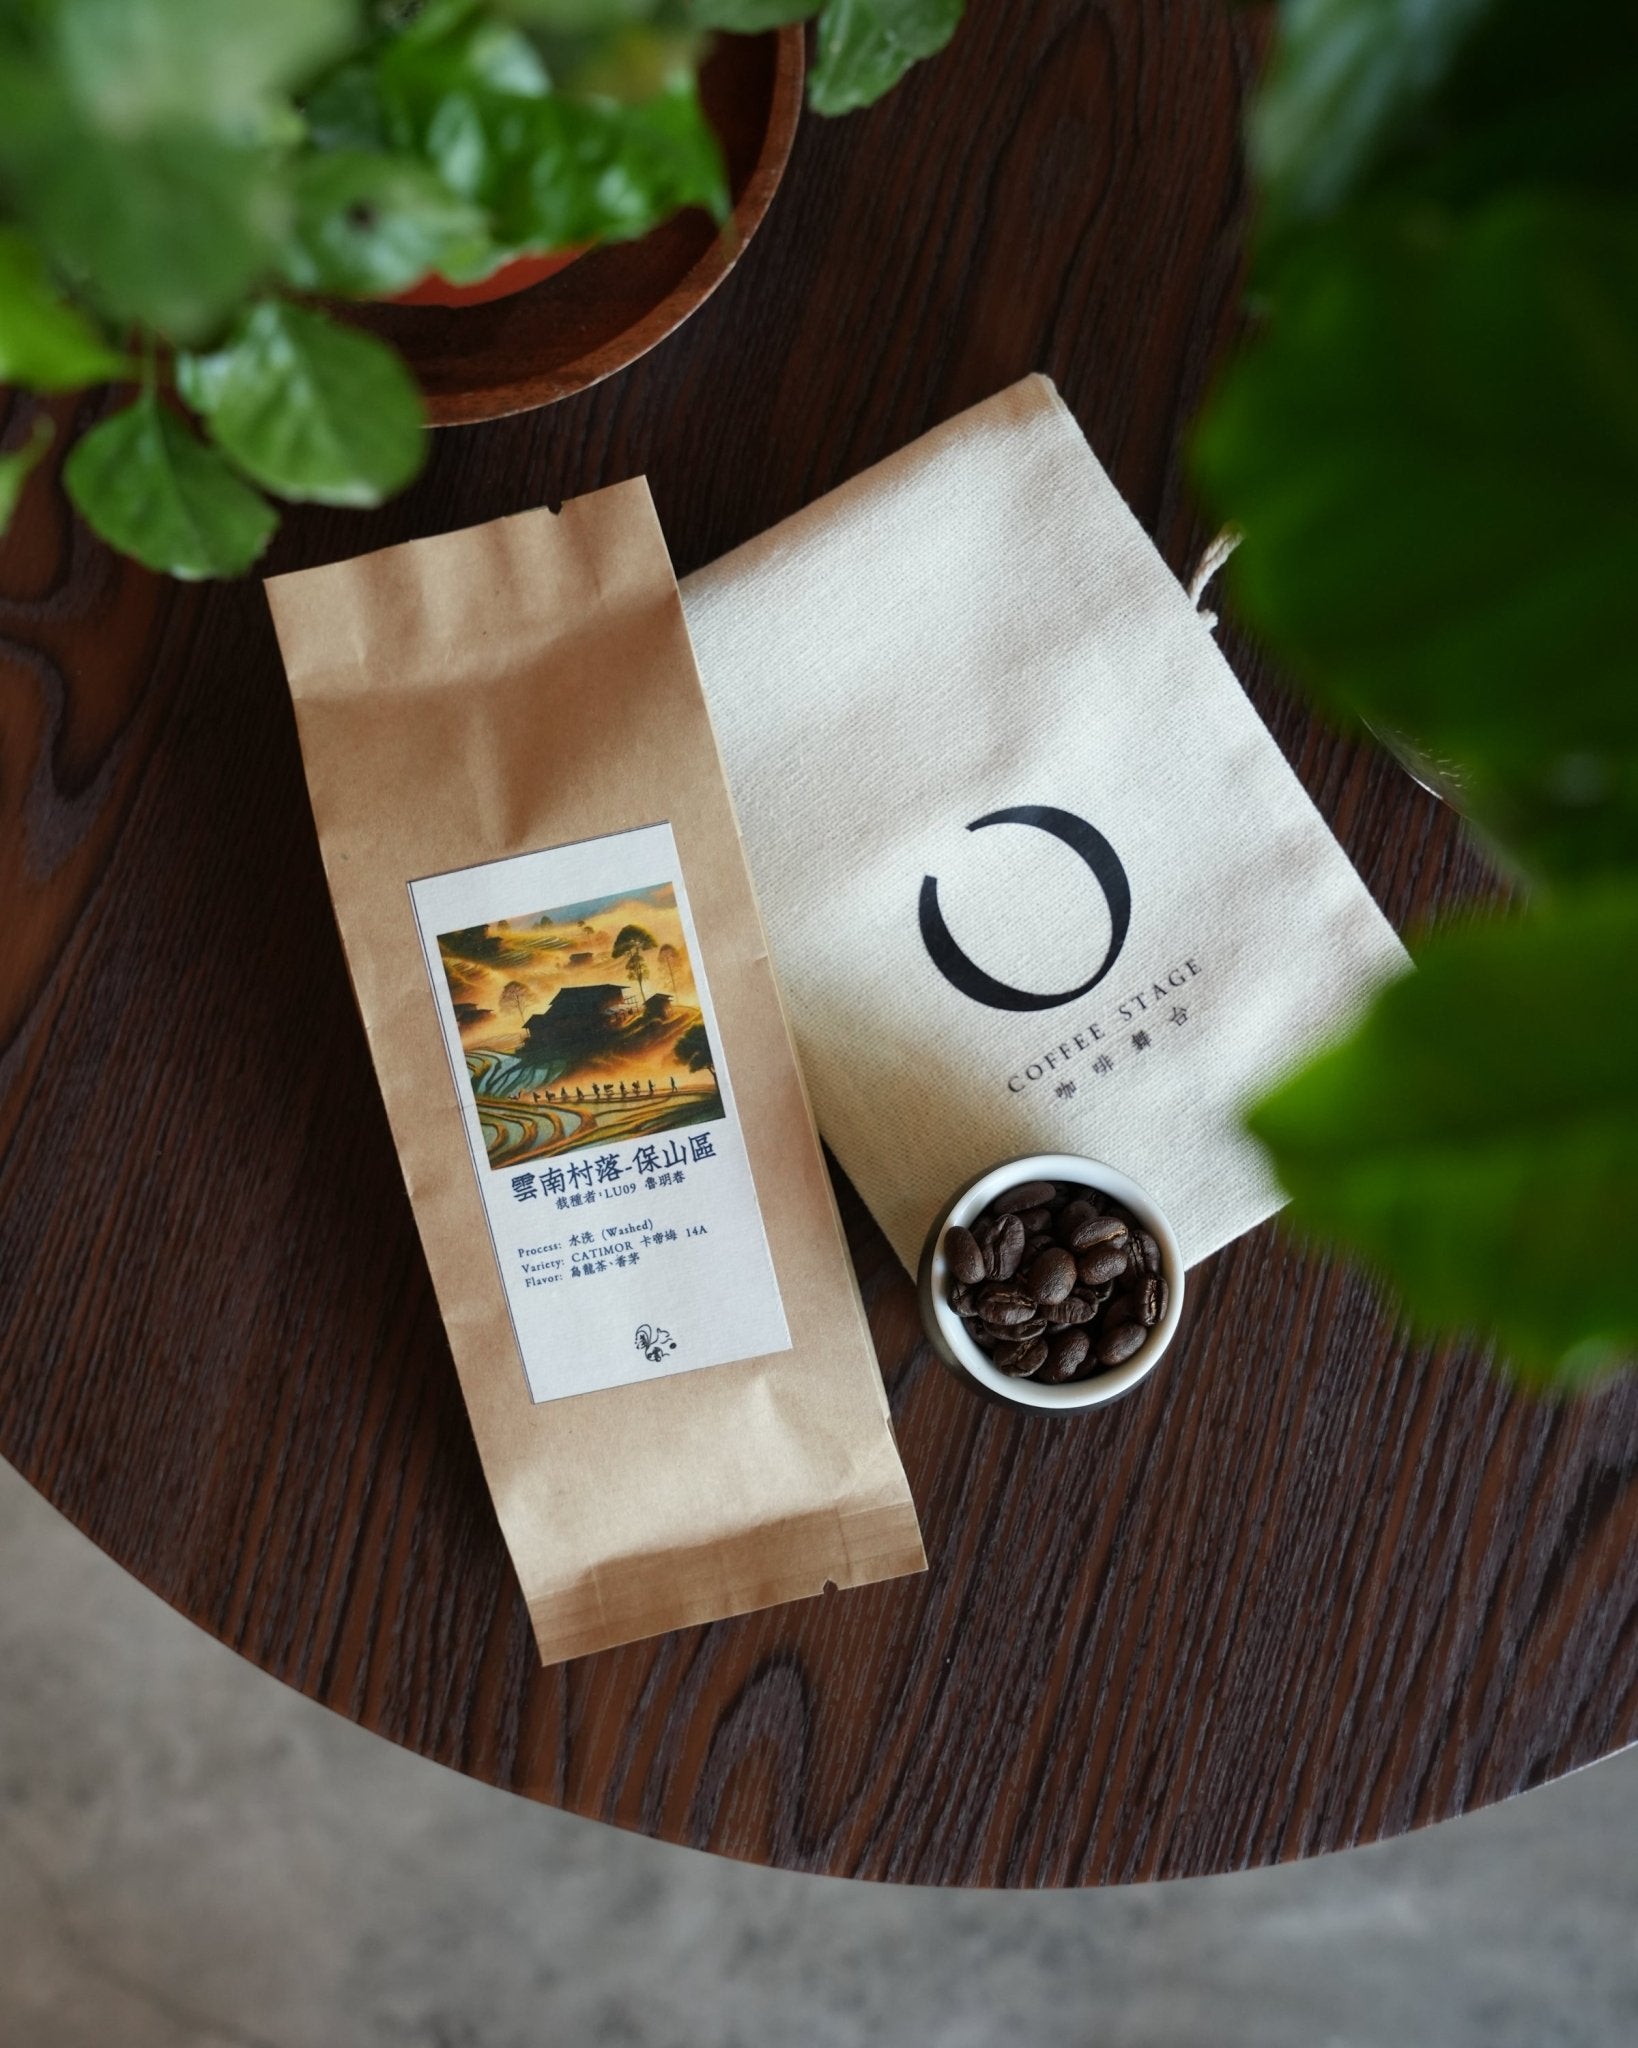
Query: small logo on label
x,y
653,1342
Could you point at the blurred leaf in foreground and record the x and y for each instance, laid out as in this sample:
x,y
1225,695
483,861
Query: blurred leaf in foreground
x,y
1475,1140
45,343
1345,83
1433,450
1451,100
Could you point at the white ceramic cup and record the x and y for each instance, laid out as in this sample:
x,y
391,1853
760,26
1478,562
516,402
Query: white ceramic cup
x,y
962,1355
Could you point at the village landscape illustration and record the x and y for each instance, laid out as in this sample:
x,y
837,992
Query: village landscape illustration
x,y
581,1025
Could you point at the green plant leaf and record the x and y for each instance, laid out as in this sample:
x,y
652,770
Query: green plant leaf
x,y
552,171
168,226
1475,1140
1541,94
450,99
428,21
558,173
171,229
866,47
347,109
469,54
308,408
142,143
1433,450
15,466
45,343
1347,79
367,223
660,155
628,65
587,17
156,493
749,17
130,65
1446,99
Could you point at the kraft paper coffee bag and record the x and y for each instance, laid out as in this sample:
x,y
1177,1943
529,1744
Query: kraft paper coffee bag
x,y
564,980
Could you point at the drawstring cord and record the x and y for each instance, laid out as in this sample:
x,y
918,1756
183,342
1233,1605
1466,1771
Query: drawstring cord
x,y
1212,559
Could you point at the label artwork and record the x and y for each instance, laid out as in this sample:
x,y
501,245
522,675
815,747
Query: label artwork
x,y
600,1116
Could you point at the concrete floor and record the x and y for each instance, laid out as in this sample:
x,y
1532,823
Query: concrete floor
x,y
193,1857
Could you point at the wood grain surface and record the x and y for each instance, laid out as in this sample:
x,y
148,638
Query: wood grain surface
x,y
1314,1583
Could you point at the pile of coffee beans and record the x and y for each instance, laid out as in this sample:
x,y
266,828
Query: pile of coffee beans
x,y
1055,1282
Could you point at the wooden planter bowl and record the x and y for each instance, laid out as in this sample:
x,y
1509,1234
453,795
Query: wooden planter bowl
x,y
613,304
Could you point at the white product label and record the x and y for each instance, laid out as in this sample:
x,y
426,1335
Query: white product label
x,y
601,1117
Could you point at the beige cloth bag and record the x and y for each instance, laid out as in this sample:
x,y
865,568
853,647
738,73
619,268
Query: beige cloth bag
x,y
1035,874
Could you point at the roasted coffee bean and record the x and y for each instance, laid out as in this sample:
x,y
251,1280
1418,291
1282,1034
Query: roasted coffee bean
x,y
1009,1249
1004,1320
1103,1262
1123,1308
1065,1355
1022,1333
1120,1342
1070,1217
1095,1297
1096,1230
1148,1301
1150,1252
963,1255
1076,1309
1050,1277
1080,1226
962,1299
1163,1295
1002,1305
983,1336
1034,1246
1029,1194
1021,1359
1036,1221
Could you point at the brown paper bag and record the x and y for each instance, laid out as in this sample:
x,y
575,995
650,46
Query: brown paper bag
x,y
591,1085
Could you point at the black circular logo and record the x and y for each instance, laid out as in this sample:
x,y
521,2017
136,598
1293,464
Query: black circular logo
x,y
964,974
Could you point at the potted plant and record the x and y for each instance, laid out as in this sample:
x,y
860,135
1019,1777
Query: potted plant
x,y
186,191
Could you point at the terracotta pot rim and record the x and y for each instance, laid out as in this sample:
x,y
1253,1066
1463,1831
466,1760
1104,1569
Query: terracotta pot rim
x,y
526,271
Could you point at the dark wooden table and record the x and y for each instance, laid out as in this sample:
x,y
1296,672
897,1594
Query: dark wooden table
x,y
1316,1583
